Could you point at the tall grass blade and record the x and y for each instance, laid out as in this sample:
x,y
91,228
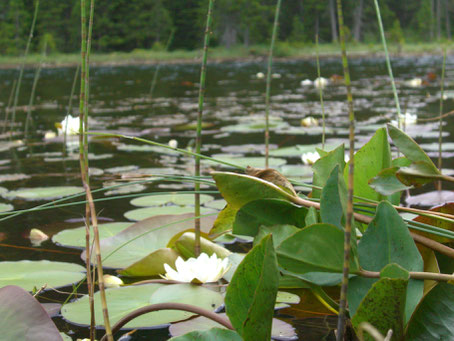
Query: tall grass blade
x,y
268,82
198,141
349,218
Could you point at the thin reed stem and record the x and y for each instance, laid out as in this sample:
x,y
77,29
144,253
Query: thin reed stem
x,y
440,124
350,213
28,120
198,140
388,62
268,83
21,72
8,107
320,91
156,71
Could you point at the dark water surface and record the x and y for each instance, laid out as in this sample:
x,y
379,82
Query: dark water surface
x,y
120,102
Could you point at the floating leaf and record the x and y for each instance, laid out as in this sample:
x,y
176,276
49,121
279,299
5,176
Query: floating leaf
x,y
23,317
217,334
147,212
43,193
185,246
386,240
6,207
152,264
216,204
13,177
76,237
251,294
34,274
433,319
170,198
267,212
322,252
121,301
145,237
430,198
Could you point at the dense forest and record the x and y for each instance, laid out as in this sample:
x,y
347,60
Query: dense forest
x,y
125,25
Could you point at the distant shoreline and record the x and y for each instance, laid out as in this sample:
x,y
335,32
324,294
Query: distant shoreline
x,y
284,52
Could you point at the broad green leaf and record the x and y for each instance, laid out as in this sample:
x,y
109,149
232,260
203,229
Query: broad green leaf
x,y
34,274
43,193
251,294
179,199
323,279
370,160
239,189
433,319
279,232
418,173
23,317
383,306
152,264
212,334
267,212
333,201
324,166
121,301
311,216
224,222
410,148
316,248
76,237
386,182
386,240
145,237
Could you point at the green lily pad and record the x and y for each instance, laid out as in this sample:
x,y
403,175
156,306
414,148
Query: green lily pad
x,y
147,212
76,237
30,274
145,237
6,207
43,193
13,177
121,301
170,198
216,204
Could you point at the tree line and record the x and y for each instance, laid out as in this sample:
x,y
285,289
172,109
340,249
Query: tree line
x,y
125,25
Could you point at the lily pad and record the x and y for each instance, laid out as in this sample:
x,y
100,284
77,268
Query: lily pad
x,y
13,177
30,274
147,212
43,193
433,198
170,198
124,189
76,237
280,330
216,204
121,301
6,207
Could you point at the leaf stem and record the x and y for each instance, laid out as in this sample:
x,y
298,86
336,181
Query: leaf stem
x,y
413,275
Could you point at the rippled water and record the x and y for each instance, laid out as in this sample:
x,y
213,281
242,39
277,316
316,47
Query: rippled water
x,y
234,110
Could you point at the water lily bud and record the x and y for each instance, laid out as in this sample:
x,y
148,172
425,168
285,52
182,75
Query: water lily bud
x,y
309,122
260,75
112,281
173,143
37,237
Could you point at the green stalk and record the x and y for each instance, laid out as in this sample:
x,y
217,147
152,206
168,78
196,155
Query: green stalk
x,y
21,72
388,62
155,75
349,218
440,125
8,107
198,141
268,82
321,92
70,107
28,120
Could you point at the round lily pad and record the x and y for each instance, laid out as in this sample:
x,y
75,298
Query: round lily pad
x,y
216,204
123,300
174,198
147,212
30,274
6,207
43,193
76,237
13,177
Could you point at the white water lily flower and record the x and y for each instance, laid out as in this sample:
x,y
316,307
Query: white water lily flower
x,y
406,119
260,75
309,122
203,269
71,124
173,143
321,82
306,82
414,83
310,158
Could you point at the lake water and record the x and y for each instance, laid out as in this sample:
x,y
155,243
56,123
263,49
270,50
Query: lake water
x,y
234,109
